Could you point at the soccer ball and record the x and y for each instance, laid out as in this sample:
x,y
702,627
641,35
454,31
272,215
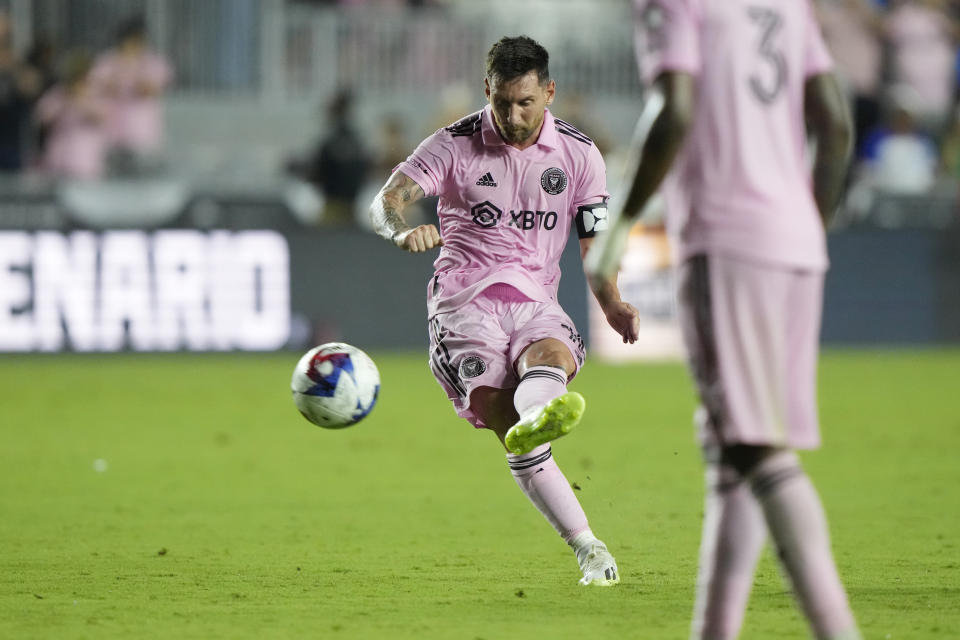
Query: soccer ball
x,y
335,385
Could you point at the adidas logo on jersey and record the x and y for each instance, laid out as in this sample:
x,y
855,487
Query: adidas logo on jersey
x,y
487,180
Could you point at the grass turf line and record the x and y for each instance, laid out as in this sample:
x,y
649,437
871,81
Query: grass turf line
x,y
223,514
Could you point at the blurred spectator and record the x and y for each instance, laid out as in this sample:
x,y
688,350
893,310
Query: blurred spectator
x,y
42,57
901,158
393,148
75,115
339,164
922,39
950,149
19,87
133,78
454,100
574,108
853,31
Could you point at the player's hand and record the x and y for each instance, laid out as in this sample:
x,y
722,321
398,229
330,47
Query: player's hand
x,y
419,239
625,320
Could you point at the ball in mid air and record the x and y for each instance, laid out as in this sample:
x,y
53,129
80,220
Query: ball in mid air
x,y
335,385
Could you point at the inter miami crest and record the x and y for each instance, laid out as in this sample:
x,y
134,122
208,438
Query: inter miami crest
x,y
472,366
553,181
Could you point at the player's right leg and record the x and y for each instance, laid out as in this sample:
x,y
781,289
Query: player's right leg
x,y
547,410
545,363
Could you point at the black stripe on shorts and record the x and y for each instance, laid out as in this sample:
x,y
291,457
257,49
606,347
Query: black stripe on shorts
x,y
694,293
440,357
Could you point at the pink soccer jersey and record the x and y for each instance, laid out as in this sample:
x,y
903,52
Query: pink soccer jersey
x,y
741,185
505,214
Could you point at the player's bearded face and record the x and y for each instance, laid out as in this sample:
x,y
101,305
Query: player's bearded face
x,y
518,106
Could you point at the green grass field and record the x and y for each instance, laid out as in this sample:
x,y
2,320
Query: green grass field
x,y
223,514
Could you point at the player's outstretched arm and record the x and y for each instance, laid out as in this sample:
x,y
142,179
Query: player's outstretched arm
x,y
661,129
622,316
657,142
828,122
386,214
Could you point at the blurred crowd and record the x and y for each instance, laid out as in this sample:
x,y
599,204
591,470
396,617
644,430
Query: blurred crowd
x,y
898,60
73,114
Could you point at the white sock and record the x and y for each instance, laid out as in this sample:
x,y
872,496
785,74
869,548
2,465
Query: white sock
x,y
582,540
541,480
538,386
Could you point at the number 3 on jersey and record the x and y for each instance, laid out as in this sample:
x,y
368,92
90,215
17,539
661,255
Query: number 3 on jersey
x,y
767,84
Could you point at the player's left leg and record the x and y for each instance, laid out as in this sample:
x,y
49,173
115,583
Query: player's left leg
x,y
798,525
541,480
547,410
544,484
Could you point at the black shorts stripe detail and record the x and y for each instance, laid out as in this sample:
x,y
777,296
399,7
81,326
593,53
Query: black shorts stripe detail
x,y
465,126
558,376
695,294
449,374
764,484
444,370
566,128
440,357
520,465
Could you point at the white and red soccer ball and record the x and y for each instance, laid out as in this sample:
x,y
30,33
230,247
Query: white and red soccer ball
x,y
335,385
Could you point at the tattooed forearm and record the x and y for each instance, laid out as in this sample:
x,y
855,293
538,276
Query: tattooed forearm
x,y
386,212
389,224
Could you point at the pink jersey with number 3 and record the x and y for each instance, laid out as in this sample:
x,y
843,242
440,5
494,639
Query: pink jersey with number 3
x,y
505,213
741,185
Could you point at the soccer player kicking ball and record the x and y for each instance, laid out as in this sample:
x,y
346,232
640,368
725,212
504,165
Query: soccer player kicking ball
x,y
733,82
511,180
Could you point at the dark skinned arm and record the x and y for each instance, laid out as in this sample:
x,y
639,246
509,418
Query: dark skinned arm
x,y
661,131
828,123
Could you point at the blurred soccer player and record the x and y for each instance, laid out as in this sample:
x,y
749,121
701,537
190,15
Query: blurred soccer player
x,y
511,180
732,83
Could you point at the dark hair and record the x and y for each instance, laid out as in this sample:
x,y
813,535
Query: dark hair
x,y
132,27
514,57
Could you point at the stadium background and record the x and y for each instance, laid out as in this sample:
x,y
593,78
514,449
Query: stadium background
x,y
248,103
179,494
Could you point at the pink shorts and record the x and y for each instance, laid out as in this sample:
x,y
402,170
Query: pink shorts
x,y
478,344
752,335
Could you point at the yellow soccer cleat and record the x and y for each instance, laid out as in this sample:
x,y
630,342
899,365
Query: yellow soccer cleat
x,y
555,419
